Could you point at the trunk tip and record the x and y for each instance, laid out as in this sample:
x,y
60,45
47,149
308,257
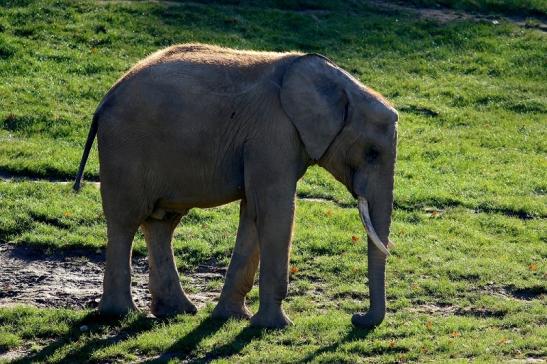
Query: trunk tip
x,y
367,320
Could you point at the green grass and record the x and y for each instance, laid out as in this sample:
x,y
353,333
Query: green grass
x,y
467,277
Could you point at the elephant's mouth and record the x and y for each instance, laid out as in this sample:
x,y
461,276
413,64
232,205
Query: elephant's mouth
x,y
367,223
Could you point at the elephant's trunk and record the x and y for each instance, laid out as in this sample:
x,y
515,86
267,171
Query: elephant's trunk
x,y
377,229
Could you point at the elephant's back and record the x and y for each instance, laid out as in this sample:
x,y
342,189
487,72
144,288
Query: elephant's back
x,y
200,68
180,82
192,89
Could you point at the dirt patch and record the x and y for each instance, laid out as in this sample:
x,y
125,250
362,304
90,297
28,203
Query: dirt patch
x,y
444,15
13,355
441,15
523,294
440,309
73,278
437,309
480,312
10,177
505,292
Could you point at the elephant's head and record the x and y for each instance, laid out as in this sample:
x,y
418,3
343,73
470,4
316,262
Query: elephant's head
x,y
351,131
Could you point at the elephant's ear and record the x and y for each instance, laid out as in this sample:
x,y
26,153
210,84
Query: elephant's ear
x,y
313,96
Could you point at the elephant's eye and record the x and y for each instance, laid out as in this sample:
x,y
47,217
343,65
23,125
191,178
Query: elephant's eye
x,y
372,155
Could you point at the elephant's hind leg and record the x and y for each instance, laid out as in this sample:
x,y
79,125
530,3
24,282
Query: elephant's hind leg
x,y
168,297
241,272
116,299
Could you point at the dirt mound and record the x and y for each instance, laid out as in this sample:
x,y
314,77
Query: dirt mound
x,y
73,278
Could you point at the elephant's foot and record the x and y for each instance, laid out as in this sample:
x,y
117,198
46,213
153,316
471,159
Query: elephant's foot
x,y
271,317
162,308
226,310
367,320
116,306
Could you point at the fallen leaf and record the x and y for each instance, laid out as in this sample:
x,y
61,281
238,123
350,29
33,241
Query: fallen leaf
x,y
354,238
504,341
433,212
533,267
293,269
391,343
455,334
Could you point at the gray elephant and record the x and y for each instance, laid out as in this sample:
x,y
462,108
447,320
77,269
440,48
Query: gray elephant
x,y
199,126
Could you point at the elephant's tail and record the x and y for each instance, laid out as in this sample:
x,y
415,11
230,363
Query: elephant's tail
x,y
88,144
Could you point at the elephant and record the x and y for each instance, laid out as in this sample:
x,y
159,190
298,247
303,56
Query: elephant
x,y
198,126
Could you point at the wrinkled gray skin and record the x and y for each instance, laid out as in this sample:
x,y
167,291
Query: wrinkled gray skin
x,y
200,126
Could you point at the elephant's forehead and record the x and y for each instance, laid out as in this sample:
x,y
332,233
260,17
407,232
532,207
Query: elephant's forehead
x,y
377,108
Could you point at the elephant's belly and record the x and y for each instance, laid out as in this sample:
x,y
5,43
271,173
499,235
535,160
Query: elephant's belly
x,y
183,203
200,190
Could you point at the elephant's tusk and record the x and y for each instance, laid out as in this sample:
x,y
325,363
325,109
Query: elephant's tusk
x,y
367,223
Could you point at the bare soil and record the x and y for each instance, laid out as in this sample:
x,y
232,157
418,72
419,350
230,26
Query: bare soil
x,y
73,278
445,15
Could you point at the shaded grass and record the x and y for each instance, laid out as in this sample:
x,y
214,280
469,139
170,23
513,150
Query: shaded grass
x,y
507,7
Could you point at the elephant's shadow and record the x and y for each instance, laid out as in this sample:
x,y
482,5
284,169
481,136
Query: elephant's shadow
x,y
181,349
188,343
91,324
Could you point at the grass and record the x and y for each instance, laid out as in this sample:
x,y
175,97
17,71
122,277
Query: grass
x,y
467,278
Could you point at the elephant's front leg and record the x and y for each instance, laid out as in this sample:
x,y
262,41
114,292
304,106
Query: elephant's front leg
x,y
275,220
242,269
